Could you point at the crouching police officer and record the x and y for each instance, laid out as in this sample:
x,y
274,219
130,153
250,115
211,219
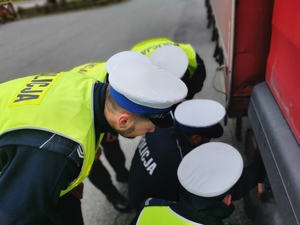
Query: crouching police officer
x,y
52,123
206,175
160,50
153,172
158,155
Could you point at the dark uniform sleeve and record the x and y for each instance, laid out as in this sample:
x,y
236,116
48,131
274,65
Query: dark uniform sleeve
x,y
196,82
43,164
252,175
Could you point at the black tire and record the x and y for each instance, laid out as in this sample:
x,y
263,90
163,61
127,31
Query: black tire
x,y
251,199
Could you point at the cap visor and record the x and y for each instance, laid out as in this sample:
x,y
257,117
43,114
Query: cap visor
x,y
165,122
215,131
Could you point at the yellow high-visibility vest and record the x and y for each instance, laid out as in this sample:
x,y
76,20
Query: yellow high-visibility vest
x,y
93,69
162,215
61,103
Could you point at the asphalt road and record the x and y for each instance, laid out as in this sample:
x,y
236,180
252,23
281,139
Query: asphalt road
x,y
63,41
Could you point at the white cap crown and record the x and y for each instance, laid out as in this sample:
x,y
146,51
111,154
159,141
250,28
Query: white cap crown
x,y
199,113
171,58
141,82
210,169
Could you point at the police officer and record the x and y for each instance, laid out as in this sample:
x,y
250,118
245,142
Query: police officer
x,y
206,175
99,175
171,58
52,123
156,159
157,49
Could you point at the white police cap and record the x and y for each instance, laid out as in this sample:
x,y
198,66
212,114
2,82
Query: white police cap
x,y
120,57
210,169
200,116
171,58
142,88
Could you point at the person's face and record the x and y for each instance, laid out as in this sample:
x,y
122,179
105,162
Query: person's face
x,y
137,129
197,140
205,140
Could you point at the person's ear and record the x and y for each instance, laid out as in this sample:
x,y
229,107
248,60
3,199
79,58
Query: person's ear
x,y
196,139
124,120
227,200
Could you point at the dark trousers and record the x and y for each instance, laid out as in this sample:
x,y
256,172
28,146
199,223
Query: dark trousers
x,y
99,175
115,156
69,210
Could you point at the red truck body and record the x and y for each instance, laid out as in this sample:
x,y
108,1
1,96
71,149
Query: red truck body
x,y
283,67
258,42
244,35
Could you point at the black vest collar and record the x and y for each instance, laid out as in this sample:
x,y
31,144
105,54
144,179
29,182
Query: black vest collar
x,y
101,124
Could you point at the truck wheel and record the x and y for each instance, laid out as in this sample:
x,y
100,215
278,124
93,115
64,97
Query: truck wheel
x,y
252,198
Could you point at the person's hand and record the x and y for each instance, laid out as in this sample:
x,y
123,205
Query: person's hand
x,y
98,154
227,200
110,137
